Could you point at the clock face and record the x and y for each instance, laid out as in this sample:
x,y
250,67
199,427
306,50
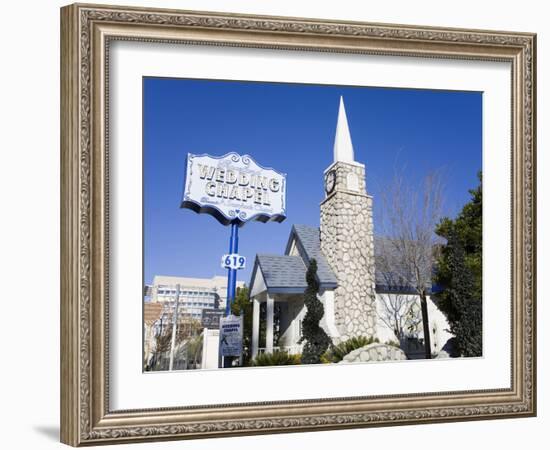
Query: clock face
x,y
330,181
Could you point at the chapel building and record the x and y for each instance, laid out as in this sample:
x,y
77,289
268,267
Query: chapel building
x,y
353,292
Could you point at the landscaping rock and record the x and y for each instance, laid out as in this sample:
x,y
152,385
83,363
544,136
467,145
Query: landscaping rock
x,y
374,353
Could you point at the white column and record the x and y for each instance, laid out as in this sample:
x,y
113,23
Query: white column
x,y
269,325
255,326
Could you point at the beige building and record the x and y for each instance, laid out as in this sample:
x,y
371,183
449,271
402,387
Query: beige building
x,y
198,297
196,294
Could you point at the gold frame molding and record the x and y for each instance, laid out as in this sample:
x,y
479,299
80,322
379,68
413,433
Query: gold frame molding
x,y
86,31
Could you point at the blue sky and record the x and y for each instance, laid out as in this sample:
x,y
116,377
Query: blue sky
x,y
291,128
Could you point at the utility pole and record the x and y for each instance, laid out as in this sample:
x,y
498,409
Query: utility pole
x,y
174,327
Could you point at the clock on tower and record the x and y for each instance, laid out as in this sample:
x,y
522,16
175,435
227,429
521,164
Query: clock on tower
x,y
330,181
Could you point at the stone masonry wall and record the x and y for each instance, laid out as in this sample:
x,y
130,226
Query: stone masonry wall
x,y
374,353
348,244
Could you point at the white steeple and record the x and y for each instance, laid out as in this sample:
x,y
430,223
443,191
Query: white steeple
x,y
343,148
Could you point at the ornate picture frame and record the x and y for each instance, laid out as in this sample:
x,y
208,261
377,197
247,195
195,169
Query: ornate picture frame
x,y
87,32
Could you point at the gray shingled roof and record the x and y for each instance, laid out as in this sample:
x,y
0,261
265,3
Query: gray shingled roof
x,y
286,273
282,272
308,239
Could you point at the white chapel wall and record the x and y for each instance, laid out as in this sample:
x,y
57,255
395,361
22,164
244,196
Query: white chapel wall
x,y
439,325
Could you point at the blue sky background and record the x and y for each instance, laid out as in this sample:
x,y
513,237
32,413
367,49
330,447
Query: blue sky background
x,y
291,128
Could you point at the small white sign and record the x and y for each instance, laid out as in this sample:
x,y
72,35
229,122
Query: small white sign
x,y
234,188
231,335
233,261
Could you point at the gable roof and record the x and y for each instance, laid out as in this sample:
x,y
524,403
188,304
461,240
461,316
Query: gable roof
x,y
308,243
287,273
281,273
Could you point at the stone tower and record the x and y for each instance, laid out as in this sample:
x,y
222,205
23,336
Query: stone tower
x,y
347,239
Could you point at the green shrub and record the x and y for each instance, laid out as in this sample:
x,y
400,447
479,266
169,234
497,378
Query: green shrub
x,y
337,352
276,358
315,337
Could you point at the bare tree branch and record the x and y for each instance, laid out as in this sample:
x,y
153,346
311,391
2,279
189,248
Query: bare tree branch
x,y
409,215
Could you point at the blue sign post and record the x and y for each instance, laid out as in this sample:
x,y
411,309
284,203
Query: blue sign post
x,y
234,189
232,273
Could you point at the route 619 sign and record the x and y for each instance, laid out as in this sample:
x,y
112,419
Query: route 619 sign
x,y
233,261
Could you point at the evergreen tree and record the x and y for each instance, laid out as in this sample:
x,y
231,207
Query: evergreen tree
x,y
317,341
468,229
459,274
243,306
464,312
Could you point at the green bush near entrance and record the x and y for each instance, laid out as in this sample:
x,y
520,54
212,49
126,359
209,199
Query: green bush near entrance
x,y
337,352
276,358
